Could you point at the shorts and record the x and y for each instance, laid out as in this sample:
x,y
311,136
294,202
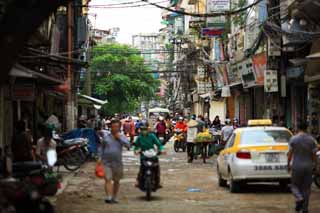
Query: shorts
x,y
113,172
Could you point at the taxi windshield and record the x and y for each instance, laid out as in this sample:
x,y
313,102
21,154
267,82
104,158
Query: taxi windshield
x,y
265,137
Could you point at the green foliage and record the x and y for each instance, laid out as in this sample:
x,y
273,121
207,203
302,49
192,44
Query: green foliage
x,y
120,77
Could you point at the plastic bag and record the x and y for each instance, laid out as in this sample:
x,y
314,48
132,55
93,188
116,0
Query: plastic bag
x,y
99,170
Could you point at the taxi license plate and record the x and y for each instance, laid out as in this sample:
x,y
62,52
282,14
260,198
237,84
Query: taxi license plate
x,y
269,167
272,157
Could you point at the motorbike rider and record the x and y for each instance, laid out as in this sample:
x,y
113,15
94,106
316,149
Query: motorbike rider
x,y
144,142
161,127
181,125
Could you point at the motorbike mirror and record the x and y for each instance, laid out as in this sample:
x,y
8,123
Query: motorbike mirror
x,y
51,157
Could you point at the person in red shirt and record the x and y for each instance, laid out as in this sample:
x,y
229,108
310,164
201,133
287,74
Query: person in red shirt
x,y
129,128
181,125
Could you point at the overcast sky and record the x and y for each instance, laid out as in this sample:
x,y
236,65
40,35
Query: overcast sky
x,y
130,20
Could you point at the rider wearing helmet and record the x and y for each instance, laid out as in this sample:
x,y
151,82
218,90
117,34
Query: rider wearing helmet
x,y
161,127
147,141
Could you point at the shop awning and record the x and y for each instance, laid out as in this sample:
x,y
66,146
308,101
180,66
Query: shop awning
x,y
23,72
92,99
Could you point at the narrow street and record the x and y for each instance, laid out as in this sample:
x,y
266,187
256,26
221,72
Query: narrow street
x,y
84,192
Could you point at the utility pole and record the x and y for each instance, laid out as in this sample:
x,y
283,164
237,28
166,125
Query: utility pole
x,y
70,99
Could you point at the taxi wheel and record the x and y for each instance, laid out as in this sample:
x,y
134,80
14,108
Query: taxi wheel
x,y
234,186
221,182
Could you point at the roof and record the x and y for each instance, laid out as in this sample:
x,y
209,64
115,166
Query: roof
x,y
239,130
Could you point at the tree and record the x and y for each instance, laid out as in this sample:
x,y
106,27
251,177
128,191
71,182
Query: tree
x,y
121,77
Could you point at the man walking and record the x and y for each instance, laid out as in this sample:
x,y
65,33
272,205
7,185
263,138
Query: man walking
x,y
302,154
110,154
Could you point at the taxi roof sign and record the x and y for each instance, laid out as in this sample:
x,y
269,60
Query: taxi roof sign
x,y
260,122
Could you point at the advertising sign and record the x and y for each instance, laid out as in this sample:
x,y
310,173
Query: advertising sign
x,y
211,32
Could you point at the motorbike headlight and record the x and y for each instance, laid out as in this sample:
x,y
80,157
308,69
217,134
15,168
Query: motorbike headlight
x,y
148,172
149,163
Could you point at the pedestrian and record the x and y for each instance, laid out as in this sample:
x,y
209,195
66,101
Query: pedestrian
x,y
44,144
194,127
302,154
216,123
226,131
110,155
22,144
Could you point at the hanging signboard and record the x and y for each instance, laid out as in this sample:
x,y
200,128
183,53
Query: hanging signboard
x,y
271,81
259,66
210,32
218,5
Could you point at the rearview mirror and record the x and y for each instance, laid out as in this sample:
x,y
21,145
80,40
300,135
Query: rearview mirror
x,y
51,157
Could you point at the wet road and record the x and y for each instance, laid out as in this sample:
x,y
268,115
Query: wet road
x,y
84,192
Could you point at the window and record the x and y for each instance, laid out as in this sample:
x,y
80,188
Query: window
x,y
231,140
265,137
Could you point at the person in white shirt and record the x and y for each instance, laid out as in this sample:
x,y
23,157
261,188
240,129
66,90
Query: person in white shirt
x,y
44,144
226,131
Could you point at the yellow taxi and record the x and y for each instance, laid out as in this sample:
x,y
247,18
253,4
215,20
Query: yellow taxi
x,y
257,153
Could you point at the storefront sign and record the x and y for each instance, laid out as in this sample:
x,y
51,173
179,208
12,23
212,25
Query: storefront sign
x,y
210,32
24,92
218,5
218,22
259,65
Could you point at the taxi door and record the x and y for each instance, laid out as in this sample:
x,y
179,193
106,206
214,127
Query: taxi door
x,y
226,156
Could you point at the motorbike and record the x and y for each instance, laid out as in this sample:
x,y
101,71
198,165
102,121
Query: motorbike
x,y
71,153
162,138
30,186
148,180
179,141
316,173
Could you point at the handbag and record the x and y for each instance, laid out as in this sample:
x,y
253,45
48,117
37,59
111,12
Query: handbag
x,y
99,170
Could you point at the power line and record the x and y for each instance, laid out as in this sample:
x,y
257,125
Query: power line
x,y
120,5
216,14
